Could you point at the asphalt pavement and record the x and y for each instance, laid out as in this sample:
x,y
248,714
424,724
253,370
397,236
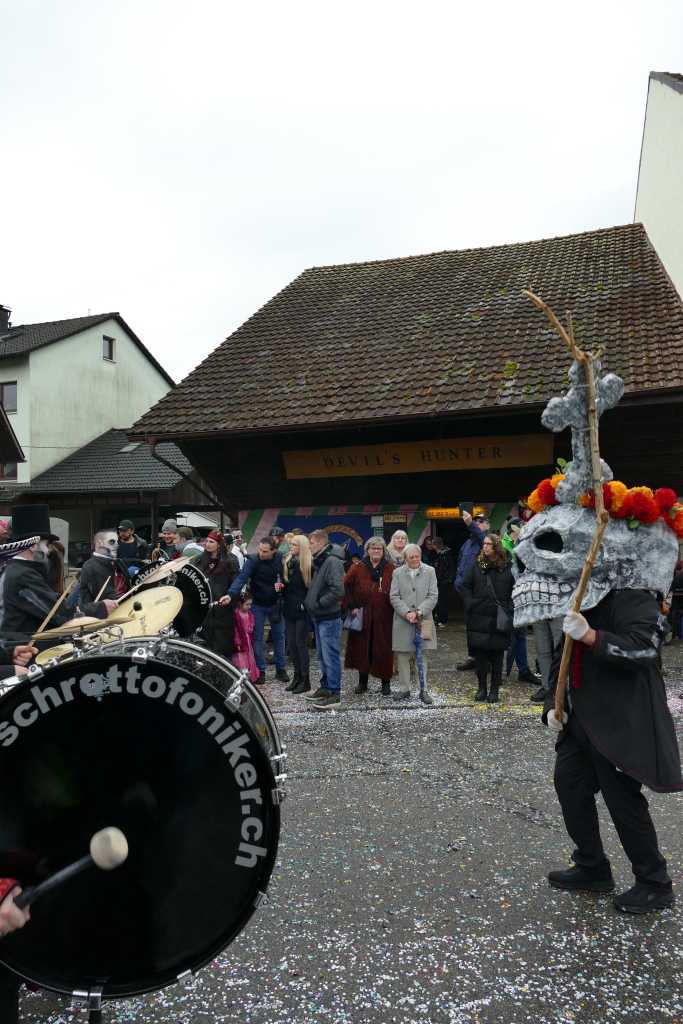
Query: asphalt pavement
x,y
411,879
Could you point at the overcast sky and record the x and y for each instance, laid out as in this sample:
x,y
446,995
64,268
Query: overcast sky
x,y
182,162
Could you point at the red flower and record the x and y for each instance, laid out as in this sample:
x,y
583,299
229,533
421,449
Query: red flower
x,y
546,492
625,508
643,508
665,498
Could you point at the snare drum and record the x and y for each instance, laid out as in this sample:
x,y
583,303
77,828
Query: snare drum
x,y
174,746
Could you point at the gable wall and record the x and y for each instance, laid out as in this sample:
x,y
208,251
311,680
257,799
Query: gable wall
x,y
76,394
659,203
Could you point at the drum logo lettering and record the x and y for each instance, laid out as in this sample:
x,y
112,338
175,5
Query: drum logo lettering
x,y
232,740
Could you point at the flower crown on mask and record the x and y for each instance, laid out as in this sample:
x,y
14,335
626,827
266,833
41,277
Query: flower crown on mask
x,y
637,505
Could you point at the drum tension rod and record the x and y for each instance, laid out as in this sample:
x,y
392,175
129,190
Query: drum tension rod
x,y
90,1001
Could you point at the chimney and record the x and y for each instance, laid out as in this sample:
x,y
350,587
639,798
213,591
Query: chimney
x,y
5,313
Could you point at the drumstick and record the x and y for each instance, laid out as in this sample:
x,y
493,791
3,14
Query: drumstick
x,y
57,604
108,849
102,589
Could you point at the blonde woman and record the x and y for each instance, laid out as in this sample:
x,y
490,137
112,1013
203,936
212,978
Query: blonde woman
x,y
297,570
397,546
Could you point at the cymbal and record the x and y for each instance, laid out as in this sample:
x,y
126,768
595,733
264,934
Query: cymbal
x,y
83,622
159,607
53,652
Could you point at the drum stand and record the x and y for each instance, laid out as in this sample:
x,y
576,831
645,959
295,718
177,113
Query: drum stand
x,y
90,1001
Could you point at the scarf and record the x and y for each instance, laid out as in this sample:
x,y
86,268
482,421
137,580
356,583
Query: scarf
x,y
485,564
375,571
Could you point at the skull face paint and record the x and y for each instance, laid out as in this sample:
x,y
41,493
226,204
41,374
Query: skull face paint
x,y
550,553
42,551
107,543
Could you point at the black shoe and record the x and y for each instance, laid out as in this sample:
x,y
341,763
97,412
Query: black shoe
x,y
386,689
294,683
493,695
261,679
303,686
281,675
642,898
528,677
361,688
583,879
481,693
466,666
539,696
402,695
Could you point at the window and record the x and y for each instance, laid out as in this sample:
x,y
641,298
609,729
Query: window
x,y
8,471
107,348
129,448
8,396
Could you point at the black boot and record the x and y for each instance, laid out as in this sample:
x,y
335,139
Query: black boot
x,y
481,692
493,692
295,682
362,683
304,684
386,688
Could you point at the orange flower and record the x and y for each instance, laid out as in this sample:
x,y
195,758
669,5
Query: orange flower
x,y
587,500
647,491
617,495
535,502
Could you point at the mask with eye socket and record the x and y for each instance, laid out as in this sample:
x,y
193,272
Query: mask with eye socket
x,y
550,553
41,551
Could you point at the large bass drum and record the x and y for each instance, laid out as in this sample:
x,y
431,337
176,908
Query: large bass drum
x,y
171,744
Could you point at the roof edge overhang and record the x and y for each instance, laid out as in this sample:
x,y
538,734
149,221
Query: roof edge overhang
x,y
655,396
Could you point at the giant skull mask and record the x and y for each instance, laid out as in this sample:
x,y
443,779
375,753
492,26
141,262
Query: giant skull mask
x,y
550,553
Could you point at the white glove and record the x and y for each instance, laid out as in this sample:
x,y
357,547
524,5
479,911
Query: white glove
x,y
575,625
553,722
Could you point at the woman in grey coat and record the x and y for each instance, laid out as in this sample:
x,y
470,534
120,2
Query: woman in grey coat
x,y
413,595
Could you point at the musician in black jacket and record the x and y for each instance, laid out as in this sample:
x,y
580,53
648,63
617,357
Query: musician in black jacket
x,y
27,595
617,735
104,569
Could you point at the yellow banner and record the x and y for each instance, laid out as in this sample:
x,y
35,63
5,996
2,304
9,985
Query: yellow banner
x,y
457,453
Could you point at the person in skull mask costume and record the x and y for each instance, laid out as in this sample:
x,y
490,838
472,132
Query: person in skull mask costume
x,y
104,569
28,596
617,733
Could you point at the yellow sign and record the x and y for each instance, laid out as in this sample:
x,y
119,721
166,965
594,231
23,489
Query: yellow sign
x,y
341,528
451,513
456,453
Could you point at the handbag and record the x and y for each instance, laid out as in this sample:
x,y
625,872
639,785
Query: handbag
x,y
504,620
354,621
427,629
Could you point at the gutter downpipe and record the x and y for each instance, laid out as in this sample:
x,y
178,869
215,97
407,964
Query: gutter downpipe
x,y
169,465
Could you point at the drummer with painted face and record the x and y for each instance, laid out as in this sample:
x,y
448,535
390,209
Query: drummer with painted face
x,y
28,597
104,570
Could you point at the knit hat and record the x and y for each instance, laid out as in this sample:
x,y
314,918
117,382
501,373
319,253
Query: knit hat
x,y
170,526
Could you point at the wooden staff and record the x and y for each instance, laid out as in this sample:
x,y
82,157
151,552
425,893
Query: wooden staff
x,y
56,606
586,361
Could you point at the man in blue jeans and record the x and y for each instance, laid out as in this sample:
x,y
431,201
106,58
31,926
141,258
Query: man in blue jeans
x,y
323,604
263,572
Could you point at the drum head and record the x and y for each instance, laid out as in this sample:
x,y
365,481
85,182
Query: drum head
x,y
159,754
196,592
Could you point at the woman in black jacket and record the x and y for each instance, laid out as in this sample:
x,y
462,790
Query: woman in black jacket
x,y
221,569
297,575
488,585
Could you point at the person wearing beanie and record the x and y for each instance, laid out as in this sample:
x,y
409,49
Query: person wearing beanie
x,y
165,547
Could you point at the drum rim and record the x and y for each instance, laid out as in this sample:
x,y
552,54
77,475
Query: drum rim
x,y
198,961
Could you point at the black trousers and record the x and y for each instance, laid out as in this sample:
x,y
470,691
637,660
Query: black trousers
x,y
440,610
581,771
296,632
482,659
9,995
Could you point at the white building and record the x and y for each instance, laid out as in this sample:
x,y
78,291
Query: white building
x,y
65,382
659,200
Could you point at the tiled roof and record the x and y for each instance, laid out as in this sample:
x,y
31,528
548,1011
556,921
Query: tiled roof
x,y
101,466
25,338
440,334
670,78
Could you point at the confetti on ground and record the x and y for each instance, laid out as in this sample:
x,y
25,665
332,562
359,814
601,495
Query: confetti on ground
x,y
410,884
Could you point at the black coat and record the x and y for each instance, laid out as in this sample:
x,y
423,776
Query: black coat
x,y
481,603
28,598
294,593
218,628
95,572
621,699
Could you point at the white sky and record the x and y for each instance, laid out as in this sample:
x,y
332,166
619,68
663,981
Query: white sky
x,y
182,162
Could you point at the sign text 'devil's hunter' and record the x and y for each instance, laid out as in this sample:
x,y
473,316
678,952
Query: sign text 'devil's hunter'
x,y
422,456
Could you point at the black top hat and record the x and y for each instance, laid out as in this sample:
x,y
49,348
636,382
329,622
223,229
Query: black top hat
x,y
31,521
